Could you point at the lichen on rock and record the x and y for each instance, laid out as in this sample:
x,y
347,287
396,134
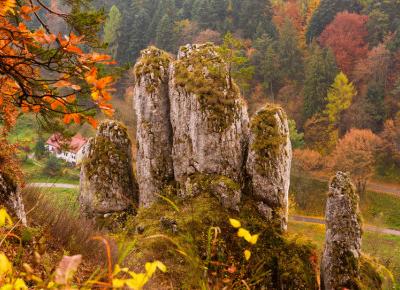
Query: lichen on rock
x,y
107,183
268,164
154,132
10,197
340,266
208,116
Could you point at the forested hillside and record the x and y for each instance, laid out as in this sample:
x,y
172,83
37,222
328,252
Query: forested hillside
x,y
334,65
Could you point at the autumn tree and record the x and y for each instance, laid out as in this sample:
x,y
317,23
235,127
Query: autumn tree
x,y
390,151
355,153
319,135
325,13
47,74
340,96
346,36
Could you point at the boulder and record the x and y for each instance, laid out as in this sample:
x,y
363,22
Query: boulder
x,y
154,132
107,183
340,266
208,116
10,197
268,164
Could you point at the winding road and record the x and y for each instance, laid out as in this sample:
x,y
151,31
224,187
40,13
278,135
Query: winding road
x,y
321,221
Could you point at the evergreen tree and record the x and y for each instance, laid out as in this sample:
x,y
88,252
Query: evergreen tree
x,y
326,12
111,29
290,55
320,73
202,14
255,18
165,34
134,36
239,67
266,60
374,107
340,96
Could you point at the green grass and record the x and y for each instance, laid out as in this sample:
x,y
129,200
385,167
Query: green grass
x,y
33,171
378,209
64,198
386,248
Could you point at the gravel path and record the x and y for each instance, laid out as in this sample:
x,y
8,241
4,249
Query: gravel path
x,y
54,185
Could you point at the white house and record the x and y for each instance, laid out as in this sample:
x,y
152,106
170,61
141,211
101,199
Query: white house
x,y
71,150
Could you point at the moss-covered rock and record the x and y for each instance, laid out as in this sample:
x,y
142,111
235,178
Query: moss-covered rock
x,y
151,68
205,249
107,183
154,132
200,71
340,266
208,116
269,162
227,191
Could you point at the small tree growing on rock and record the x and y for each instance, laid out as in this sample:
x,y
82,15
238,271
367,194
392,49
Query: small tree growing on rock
x,y
355,153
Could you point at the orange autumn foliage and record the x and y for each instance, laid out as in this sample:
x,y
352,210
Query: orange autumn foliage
x,y
47,74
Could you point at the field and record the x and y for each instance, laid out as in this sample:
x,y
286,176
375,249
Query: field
x,y
386,248
378,209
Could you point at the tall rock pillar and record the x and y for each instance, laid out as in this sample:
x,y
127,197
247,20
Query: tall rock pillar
x,y
107,183
209,122
269,162
340,267
154,132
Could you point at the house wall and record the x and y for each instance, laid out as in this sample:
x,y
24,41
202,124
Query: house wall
x,y
65,155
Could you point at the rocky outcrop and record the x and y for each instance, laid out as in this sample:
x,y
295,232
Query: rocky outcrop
x,y
209,118
10,197
340,267
107,183
268,164
154,132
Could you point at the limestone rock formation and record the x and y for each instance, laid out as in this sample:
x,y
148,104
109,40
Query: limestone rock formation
x,y
268,164
340,267
208,116
154,132
107,183
10,197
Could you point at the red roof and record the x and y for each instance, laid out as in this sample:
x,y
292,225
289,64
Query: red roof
x,y
74,145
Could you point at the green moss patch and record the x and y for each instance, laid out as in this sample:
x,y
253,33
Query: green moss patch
x,y
204,73
150,64
196,255
268,139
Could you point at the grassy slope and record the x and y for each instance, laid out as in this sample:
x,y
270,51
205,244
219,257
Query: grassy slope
x,y
377,208
384,247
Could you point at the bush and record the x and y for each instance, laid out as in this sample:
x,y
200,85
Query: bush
x,y
53,166
307,160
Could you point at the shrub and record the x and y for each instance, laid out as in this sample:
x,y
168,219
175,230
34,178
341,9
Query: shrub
x,y
307,160
53,166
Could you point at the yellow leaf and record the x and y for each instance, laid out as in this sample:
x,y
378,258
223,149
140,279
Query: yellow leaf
x,y
253,240
19,284
247,255
243,233
5,219
235,223
161,266
5,265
